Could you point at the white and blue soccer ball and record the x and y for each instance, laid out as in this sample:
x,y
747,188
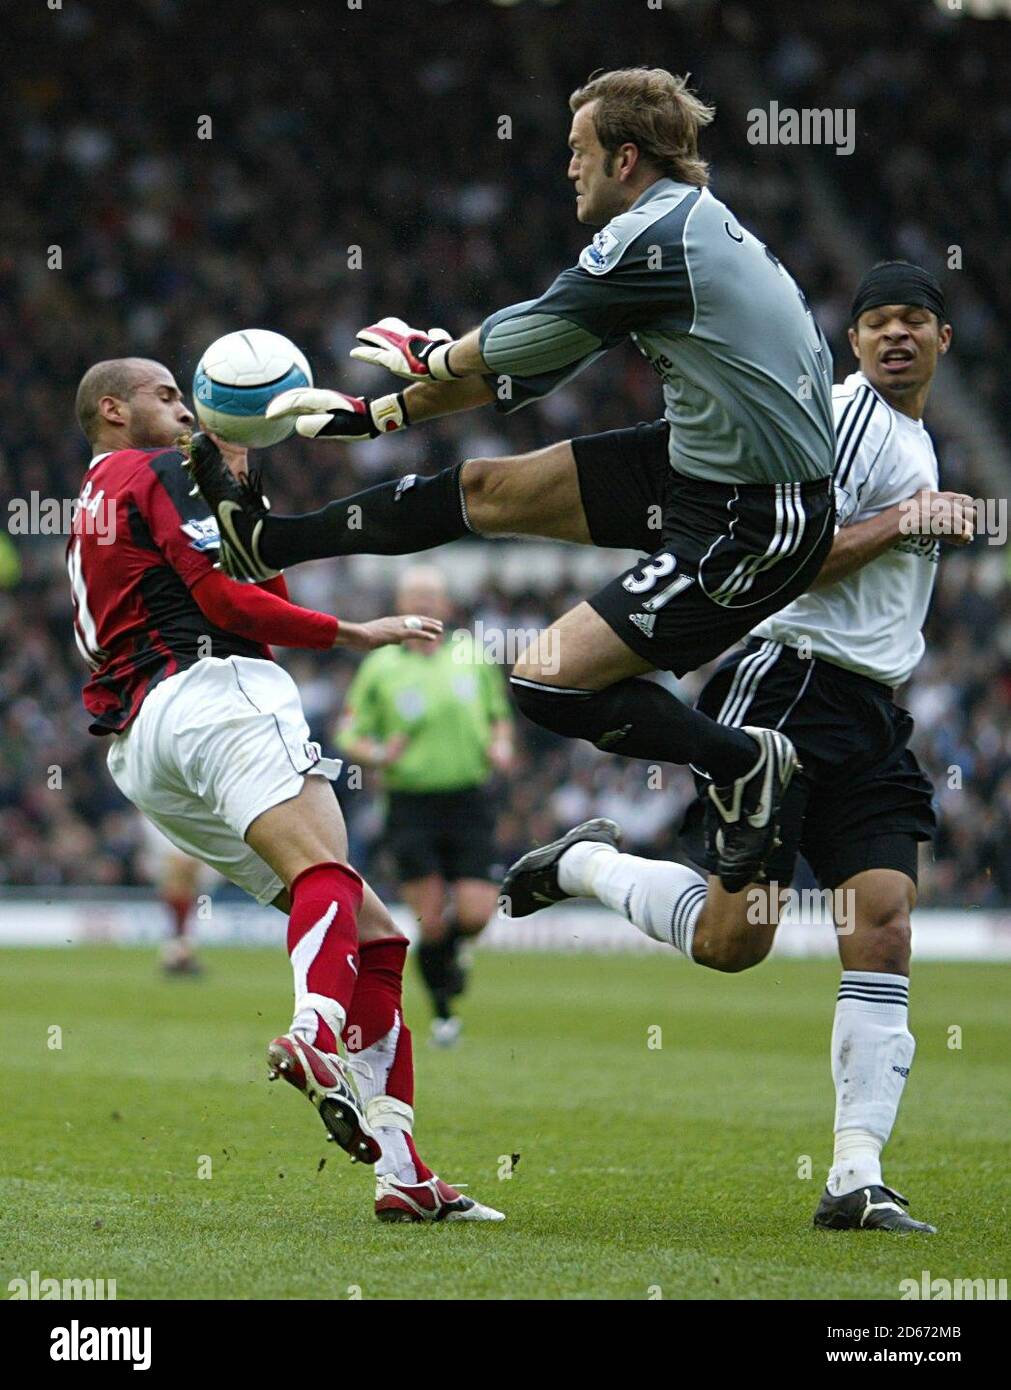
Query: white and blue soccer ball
x,y
236,379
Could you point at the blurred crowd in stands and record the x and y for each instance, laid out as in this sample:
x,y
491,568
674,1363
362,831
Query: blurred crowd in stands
x,y
358,163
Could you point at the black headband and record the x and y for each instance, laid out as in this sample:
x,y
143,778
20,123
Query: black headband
x,y
898,282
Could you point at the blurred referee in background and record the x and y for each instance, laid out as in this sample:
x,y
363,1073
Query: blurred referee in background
x,y
435,718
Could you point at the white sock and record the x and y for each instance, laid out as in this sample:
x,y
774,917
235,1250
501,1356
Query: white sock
x,y
396,1157
372,1065
872,1051
371,1068
574,873
660,898
313,1009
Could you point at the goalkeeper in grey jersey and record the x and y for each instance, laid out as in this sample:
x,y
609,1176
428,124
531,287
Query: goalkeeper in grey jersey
x,y
747,512
824,670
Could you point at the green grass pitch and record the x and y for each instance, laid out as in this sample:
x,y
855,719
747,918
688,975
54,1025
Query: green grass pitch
x,y
667,1170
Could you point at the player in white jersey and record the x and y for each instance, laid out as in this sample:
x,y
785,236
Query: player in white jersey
x,y
823,670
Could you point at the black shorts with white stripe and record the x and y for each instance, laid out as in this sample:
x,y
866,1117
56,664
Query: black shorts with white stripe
x,y
731,555
861,800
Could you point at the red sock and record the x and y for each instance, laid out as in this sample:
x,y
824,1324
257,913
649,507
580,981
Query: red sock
x,y
377,999
424,1172
180,908
323,945
400,1082
376,1029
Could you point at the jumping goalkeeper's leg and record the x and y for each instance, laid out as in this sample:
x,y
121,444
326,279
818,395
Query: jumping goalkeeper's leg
x,y
533,494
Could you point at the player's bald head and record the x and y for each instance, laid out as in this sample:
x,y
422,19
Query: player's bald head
x,y
422,589
118,377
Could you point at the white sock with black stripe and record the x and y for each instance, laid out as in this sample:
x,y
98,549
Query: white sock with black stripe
x,y
872,1051
660,898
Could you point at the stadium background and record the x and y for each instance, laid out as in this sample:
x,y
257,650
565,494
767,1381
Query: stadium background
x,y
379,129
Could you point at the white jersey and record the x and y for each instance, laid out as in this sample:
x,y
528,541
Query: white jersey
x,y
870,622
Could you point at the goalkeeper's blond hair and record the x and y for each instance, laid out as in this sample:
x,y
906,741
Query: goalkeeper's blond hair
x,y
653,110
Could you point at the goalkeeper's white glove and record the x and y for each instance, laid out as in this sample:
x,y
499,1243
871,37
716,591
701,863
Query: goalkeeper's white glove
x,y
323,414
406,351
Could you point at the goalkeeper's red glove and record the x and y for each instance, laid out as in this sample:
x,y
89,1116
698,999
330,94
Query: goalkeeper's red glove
x,y
406,351
333,415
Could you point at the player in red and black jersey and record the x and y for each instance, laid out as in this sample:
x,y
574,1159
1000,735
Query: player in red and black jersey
x,y
207,737
148,599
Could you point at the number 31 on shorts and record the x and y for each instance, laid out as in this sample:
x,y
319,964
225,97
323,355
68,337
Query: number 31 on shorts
x,y
650,574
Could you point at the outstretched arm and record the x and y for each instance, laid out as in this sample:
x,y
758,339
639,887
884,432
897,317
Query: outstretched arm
x,y
259,614
619,285
540,343
324,414
536,346
463,358
426,400
945,514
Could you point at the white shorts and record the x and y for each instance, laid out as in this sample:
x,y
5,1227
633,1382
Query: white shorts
x,y
212,748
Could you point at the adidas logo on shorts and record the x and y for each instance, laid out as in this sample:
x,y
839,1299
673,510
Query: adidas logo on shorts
x,y
645,622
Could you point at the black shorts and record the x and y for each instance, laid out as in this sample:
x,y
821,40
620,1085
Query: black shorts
x,y
451,834
860,801
723,556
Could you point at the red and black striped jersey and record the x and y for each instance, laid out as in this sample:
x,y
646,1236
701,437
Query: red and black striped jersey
x,y
139,543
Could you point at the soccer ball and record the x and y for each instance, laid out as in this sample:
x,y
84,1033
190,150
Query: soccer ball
x,y
238,376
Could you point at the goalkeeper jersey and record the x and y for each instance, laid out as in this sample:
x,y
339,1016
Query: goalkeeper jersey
x,y
746,371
